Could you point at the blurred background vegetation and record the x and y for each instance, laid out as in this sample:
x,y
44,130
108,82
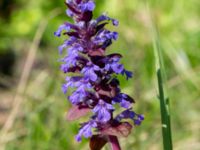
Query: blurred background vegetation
x,y
32,106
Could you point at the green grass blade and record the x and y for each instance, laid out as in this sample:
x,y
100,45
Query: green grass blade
x,y
165,116
164,102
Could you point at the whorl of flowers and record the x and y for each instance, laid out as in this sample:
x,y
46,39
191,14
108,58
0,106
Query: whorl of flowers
x,y
93,75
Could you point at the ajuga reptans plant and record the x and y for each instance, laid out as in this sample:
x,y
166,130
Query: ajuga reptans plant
x,y
91,74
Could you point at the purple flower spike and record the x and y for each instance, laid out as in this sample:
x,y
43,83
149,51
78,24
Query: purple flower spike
x,y
61,28
103,111
141,117
86,130
127,114
91,75
127,73
114,66
77,97
106,18
89,6
69,13
124,100
115,22
89,71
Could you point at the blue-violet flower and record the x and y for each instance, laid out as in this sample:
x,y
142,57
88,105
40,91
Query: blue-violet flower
x,y
93,76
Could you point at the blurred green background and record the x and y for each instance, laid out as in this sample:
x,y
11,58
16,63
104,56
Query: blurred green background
x,y
32,106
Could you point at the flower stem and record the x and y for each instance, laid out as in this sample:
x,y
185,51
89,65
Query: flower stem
x,y
114,142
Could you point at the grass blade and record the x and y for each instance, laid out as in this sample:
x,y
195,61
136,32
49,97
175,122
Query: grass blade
x,y
164,102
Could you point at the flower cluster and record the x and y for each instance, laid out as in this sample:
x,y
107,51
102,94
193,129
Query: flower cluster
x,y
93,73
